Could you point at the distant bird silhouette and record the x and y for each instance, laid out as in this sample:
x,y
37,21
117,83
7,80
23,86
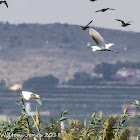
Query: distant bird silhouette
x,y
93,0
123,23
85,27
4,2
100,43
104,9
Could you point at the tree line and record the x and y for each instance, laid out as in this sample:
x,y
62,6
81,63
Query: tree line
x,y
43,83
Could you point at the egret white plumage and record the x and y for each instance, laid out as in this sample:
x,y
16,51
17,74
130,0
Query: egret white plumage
x,y
101,46
29,95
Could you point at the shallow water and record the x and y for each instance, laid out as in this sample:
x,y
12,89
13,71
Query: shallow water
x,y
81,103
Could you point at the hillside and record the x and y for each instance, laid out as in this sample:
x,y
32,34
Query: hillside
x,y
28,50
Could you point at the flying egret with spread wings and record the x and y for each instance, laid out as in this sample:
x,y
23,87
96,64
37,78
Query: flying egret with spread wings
x,y
101,46
29,95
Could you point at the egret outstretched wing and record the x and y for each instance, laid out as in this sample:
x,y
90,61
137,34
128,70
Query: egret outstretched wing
x,y
97,37
107,46
39,101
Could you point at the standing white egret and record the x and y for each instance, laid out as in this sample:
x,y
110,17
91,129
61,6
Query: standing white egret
x,y
29,95
101,46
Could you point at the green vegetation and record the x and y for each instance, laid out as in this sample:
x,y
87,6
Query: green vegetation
x,y
111,129
29,127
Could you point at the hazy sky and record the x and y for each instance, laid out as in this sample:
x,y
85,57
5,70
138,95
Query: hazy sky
x,y
73,12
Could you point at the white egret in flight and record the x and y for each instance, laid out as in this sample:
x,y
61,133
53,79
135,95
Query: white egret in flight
x,y
29,95
101,46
